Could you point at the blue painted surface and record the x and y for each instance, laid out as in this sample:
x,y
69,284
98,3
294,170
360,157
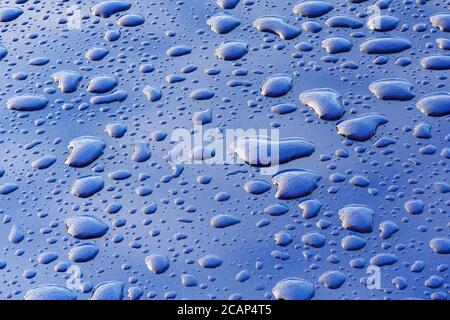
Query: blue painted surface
x,y
202,233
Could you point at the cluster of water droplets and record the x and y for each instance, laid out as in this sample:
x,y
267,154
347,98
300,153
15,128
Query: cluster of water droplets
x,y
94,206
